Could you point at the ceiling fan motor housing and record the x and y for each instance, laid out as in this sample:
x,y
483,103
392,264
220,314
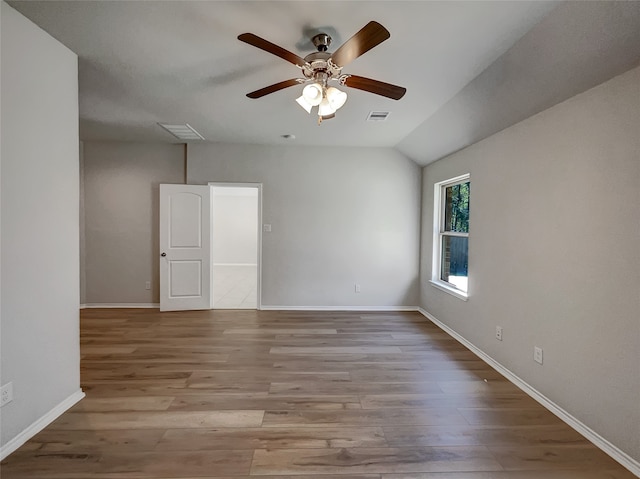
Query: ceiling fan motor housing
x,y
321,41
319,64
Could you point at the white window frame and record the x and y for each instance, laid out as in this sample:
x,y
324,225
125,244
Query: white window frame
x,y
438,234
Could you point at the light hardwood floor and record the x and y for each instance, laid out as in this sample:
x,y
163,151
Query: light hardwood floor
x,y
238,394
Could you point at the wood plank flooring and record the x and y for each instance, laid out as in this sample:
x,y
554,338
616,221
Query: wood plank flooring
x,y
307,395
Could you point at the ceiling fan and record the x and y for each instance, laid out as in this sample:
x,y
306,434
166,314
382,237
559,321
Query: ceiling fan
x,y
321,67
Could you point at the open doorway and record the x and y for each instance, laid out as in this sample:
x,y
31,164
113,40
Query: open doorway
x,y
236,245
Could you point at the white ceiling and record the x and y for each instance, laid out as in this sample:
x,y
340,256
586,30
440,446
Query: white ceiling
x,y
180,62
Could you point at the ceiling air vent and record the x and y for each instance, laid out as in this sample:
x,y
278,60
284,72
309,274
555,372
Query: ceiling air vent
x,y
378,116
182,132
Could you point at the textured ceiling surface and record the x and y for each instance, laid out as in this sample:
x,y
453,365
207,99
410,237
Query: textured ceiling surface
x,y
143,62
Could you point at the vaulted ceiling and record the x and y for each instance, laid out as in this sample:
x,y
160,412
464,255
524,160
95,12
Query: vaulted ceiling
x,y
470,68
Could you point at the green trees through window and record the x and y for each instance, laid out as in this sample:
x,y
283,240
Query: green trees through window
x,y
453,244
456,214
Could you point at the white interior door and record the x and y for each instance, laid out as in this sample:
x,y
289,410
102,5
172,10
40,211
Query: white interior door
x,y
185,247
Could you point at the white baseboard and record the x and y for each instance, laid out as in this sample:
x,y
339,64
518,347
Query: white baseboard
x,y
40,424
264,307
620,456
338,308
120,305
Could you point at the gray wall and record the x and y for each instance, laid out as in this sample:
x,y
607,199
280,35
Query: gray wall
x,y
339,216
554,255
39,223
121,217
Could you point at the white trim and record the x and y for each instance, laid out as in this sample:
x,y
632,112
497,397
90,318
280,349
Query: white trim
x,y
339,308
40,424
266,307
235,264
83,306
616,453
233,185
259,279
439,233
122,305
444,286
455,234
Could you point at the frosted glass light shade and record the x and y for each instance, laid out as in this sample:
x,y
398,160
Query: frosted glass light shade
x,y
302,101
325,108
336,97
313,94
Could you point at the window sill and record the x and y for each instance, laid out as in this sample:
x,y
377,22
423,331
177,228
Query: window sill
x,y
448,289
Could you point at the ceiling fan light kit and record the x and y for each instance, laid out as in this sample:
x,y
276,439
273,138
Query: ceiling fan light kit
x,y
321,67
302,101
328,100
325,108
336,97
313,94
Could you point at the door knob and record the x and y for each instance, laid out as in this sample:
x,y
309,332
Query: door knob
x,y
163,254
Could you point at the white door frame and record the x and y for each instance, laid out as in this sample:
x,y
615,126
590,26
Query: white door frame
x,y
259,268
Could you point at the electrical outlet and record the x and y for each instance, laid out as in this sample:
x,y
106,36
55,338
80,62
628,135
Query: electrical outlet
x,y
266,228
6,394
499,333
537,354
147,285
357,287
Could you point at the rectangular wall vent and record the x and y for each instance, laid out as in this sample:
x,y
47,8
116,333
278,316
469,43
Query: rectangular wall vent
x,y
182,132
378,116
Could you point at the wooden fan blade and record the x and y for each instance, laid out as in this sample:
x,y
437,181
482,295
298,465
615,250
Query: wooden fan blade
x,y
273,88
272,48
371,35
374,86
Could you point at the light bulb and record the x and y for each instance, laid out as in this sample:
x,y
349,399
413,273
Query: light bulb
x,y
313,94
336,97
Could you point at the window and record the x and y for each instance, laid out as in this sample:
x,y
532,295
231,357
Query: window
x,y
451,236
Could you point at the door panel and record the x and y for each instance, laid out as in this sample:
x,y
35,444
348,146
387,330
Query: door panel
x,y
185,247
185,279
185,227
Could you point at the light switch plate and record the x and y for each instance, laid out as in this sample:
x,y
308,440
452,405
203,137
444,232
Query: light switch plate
x,y
537,354
6,394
